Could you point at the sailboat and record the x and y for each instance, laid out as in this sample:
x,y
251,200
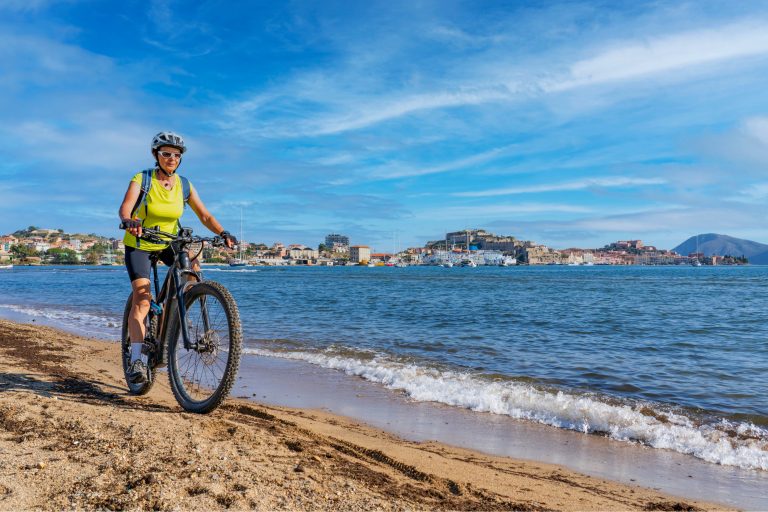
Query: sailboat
x,y
239,261
696,262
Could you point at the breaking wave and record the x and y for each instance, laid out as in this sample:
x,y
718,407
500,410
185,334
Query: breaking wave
x,y
720,441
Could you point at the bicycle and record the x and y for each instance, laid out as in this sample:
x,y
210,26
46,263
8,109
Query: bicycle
x,y
193,328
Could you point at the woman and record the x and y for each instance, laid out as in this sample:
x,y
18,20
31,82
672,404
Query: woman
x,y
162,207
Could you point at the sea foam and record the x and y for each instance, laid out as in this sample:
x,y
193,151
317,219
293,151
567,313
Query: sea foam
x,y
735,444
86,323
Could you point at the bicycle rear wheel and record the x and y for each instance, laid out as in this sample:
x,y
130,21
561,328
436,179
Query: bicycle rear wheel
x,y
201,377
151,329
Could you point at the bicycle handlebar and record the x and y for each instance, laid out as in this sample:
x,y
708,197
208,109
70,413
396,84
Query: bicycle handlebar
x,y
184,236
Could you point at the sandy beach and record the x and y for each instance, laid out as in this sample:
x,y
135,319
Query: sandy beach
x,y
71,437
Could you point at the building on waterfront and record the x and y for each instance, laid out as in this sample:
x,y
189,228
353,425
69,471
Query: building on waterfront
x,y
535,254
6,242
660,258
299,252
480,239
337,243
577,256
613,258
359,253
381,257
278,250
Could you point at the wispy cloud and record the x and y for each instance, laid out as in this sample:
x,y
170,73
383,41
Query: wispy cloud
x,y
757,127
667,53
457,36
608,182
489,211
392,171
337,111
755,193
318,113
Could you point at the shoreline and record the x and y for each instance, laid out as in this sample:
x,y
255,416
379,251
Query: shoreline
x,y
73,437
291,383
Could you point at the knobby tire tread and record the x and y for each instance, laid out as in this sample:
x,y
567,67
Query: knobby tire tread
x,y
175,341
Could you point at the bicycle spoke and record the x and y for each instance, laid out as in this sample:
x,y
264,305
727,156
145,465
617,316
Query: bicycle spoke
x,y
203,369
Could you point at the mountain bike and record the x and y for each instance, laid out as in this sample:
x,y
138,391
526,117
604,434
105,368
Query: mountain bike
x,y
193,328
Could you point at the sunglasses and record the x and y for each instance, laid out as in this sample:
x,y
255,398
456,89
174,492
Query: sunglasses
x,y
168,154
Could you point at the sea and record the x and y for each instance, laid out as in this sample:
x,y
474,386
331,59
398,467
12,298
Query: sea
x,y
669,358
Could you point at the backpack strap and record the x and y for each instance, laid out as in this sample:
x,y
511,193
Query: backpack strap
x,y
146,184
186,188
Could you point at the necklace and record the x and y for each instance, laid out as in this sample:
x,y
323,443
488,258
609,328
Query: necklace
x,y
168,182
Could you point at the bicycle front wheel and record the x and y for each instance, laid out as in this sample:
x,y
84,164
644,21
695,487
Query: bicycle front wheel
x,y
202,376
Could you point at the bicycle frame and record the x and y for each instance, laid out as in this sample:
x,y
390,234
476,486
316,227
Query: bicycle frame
x,y
175,284
203,352
172,294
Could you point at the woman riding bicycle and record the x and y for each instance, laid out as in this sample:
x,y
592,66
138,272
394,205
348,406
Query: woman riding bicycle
x,y
161,207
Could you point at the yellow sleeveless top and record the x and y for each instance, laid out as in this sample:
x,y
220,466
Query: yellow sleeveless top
x,y
163,210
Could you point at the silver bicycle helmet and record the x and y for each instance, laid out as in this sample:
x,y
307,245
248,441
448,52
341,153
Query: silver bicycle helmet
x,y
168,139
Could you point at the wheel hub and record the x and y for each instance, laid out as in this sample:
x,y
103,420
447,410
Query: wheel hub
x,y
208,346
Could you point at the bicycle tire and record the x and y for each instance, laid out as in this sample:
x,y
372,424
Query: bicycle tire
x,y
193,373
144,387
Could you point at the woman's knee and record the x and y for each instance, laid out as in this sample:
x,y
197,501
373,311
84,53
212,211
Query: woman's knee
x,y
141,293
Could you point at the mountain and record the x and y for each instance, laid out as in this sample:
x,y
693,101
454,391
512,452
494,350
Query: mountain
x,y
724,245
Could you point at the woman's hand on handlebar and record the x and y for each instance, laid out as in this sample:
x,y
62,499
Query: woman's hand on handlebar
x,y
133,226
229,239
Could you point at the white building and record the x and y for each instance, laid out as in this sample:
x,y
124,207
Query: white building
x,y
302,253
359,253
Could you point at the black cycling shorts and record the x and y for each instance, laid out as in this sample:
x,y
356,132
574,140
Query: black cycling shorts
x,y
138,264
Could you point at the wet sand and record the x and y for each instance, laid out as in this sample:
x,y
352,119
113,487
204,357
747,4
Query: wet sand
x,y
72,437
299,384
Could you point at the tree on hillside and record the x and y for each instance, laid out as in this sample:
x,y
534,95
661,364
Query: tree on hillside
x,y
94,253
25,232
62,256
22,252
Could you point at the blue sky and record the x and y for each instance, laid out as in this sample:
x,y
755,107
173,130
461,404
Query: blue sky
x,y
566,123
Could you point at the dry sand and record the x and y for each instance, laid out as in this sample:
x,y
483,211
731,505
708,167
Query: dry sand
x,y
71,437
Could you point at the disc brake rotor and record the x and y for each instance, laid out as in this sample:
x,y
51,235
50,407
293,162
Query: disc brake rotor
x,y
208,346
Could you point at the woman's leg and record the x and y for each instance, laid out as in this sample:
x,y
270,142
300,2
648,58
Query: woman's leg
x,y
136,328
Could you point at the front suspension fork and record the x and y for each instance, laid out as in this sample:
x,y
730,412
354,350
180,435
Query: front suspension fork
x,y
181,285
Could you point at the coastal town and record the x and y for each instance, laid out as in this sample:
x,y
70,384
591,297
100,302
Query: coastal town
x,y
469,248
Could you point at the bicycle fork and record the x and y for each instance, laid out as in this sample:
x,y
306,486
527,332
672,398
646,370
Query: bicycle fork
x,y
181,308
181,284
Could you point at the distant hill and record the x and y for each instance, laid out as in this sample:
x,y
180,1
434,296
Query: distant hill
x,y
723,245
